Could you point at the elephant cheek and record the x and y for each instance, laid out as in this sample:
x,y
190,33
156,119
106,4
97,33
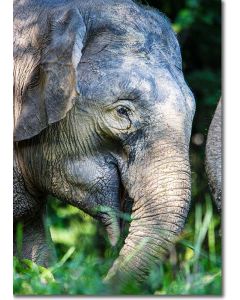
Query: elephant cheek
x,y
96,190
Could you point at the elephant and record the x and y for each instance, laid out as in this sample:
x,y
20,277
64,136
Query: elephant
x,y
102,119
214,156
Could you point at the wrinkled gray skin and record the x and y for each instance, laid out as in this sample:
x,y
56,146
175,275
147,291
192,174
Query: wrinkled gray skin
x,y
214,156
101,110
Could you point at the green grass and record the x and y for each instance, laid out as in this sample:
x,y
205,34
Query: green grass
x,y
84,257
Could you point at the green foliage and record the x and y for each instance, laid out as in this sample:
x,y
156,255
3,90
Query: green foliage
x,y
84,257
194,265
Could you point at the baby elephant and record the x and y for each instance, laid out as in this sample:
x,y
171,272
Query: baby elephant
x,y
101,110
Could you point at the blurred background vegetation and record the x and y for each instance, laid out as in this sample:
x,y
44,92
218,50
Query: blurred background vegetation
x,y
194,266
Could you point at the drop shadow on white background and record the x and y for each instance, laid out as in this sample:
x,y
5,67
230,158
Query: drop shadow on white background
x,y
231,206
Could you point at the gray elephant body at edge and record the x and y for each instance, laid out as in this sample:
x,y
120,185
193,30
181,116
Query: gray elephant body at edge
x,y
101,106
214,156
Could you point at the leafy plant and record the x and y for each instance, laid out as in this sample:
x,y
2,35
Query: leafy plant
x,y
193,267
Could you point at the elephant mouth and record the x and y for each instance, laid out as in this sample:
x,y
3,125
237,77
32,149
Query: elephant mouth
x,y
126,204
116,220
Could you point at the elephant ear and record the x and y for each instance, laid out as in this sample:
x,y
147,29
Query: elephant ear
x,y
52,88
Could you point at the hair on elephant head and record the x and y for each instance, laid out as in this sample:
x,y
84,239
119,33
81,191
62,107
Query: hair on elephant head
x,y
102,107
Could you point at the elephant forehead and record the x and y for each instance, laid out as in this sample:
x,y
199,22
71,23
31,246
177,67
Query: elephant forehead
x,y
135,82
142,49
118,83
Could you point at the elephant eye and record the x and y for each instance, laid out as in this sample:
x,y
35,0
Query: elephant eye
x,y
123,111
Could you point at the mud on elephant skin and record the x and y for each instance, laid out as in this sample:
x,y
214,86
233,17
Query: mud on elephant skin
x,y
101,105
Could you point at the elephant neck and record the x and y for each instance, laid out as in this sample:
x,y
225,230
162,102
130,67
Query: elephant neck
x,y
25,158
27,200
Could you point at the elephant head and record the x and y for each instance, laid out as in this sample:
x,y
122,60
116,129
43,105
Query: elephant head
x,y
102,110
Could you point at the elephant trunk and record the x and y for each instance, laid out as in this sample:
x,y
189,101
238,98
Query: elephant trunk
x,y
160,188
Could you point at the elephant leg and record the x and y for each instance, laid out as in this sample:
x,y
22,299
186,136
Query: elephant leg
x,y
32,240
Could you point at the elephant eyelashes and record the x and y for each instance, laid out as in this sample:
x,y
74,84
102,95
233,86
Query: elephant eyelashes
x,y
122,111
